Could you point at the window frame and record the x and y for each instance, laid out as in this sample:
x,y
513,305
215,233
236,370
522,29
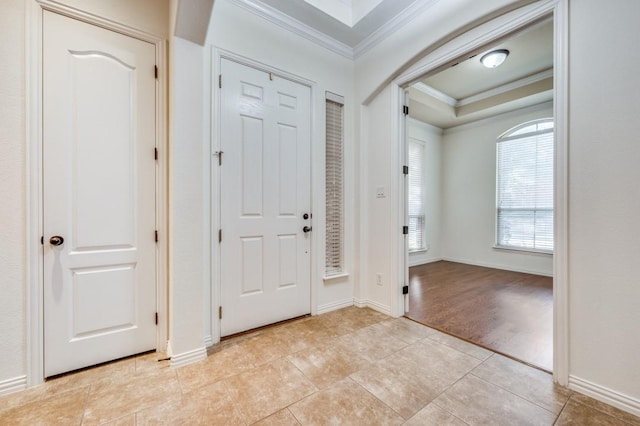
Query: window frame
x,y
505,137
335,272
411,140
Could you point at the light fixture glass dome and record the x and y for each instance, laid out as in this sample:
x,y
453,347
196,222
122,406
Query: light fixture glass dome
x,y
494,58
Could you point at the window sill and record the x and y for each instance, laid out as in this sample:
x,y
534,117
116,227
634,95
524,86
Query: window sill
x,y
338,277
526,250
422,250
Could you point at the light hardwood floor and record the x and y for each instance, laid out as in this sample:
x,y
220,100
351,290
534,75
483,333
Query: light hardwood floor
x,y
349,367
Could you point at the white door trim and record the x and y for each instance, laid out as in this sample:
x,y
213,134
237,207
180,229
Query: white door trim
x,y
460,47
217,54
34,254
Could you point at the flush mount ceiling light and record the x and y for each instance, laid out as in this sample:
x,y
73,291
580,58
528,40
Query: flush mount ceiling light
x,y
494,58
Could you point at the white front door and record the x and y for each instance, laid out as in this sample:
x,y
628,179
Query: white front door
x,y
265,193
99,194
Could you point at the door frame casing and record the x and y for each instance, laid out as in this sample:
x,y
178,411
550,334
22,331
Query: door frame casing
x,y
213,292
476,38
34,177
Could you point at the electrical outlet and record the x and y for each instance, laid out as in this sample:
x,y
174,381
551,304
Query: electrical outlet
x,y
381,192
379,279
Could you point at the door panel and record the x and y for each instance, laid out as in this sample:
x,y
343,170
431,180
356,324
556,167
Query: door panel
x,y
265,190
99,194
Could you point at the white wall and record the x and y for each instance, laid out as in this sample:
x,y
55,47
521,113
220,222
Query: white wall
x,y
469,196
431,137
12,191
276,47
604,195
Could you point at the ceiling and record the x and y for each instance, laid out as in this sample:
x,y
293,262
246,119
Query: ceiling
x,y
468,91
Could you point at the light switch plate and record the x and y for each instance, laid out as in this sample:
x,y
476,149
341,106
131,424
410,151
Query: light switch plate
x,y
381,192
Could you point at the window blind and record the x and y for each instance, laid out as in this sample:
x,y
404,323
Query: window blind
x,y
334,186
525,187
416,195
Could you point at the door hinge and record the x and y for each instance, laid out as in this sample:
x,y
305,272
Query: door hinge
x,y
220,81
155,71
405,230
405,289
219,312
405,109
42,240
219,155
156,318
155,154
405,170
219,235
156,235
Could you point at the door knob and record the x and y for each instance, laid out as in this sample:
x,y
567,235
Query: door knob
x,y
56,240
305,216
306,229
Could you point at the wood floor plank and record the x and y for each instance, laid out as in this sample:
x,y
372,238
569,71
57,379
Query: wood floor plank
x,y
507,312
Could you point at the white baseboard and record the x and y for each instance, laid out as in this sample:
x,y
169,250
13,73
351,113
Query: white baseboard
x,y
186,358
608,396
334,306
208,341
496,266
13,385
419,261
366,303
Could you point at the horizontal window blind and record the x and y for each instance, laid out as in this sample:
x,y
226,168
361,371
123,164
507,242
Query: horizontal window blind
x,y
416,196
525,187
334,186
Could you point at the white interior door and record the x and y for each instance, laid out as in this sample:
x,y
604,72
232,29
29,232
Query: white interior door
x,y
265,193
99,194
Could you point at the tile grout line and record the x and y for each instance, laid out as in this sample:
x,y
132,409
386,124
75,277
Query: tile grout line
x,y
514,394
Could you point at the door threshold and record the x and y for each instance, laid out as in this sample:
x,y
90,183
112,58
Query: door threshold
x,y
258,330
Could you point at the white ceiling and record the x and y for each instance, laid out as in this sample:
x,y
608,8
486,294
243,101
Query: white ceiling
x,y
468,91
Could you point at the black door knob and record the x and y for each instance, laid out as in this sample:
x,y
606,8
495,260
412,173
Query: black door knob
x,y
305,216
56,240
306,229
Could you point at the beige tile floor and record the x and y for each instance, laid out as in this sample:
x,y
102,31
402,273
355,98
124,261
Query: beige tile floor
x,y
349,367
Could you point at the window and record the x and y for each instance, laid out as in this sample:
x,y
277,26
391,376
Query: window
x,y
525,187
416,195
334,185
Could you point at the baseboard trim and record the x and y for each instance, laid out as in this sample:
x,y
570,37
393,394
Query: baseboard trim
x,y
186,358
13,385
606,395
366,303
208,341
334,306
494,266
419,262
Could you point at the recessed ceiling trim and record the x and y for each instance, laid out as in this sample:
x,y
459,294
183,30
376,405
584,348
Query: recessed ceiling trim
x,y
434,93
505,88
293,25
497,117
393,25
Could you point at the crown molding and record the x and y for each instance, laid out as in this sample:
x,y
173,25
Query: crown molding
x,y
453,102
288,23
293,25
497,117
434,93
534,78
400,20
